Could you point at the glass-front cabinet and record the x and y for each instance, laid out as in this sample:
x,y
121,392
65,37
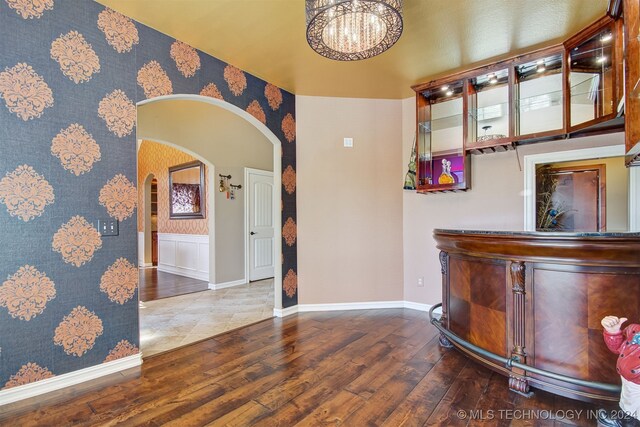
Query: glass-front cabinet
x,y
559,92
539,97
592,76
489,109
441,152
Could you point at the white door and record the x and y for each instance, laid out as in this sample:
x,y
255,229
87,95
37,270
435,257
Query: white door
x,y
261,227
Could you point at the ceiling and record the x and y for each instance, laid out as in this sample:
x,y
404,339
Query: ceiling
x,y
267,39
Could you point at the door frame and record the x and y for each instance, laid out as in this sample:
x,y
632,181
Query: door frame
x,y
532,161
275,198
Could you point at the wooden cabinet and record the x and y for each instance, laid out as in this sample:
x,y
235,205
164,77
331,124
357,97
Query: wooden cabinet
x,y
154,248
563,91
538,298
631,12
442,128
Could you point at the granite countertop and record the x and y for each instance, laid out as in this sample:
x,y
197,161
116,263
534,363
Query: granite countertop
x,y
541,233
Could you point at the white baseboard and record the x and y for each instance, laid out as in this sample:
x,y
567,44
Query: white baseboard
x,y
372,305
193,274
65,380
145,265
216,286
284,312
417,306
350,306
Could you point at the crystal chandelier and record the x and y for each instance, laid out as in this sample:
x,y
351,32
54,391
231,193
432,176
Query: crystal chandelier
x,y
350,30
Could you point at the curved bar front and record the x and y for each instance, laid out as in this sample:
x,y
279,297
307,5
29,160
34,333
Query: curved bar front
x,y
537,299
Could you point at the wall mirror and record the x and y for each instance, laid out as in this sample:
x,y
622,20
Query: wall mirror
x,y
186,191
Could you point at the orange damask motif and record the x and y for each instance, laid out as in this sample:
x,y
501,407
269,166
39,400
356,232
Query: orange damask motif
x,y
123,349
76,149
30,9
211,90
76,241
120,281
25,193
24,91
119,197
289,180
236,79
78,331
26,293
186,58
289,232
154,80
290,283
119,113
76,57
273,95
29,373
289,127
256,111
120,31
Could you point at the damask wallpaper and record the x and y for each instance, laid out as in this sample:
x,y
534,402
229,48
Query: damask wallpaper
x,y
70,74
155,158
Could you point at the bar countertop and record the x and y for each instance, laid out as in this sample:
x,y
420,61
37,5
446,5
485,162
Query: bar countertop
x,y
552,234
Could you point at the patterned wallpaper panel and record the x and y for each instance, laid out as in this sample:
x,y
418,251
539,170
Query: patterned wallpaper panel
x,y
155,158
71,72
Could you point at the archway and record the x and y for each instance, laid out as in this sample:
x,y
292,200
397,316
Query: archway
x,y
173,120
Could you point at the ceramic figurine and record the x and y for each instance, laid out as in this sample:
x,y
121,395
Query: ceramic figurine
x,y
626,343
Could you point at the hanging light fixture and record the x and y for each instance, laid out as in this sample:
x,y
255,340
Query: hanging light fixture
x,y
350,30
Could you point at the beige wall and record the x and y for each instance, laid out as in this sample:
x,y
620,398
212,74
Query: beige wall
x,y
208,131
495,202
349,200
229,143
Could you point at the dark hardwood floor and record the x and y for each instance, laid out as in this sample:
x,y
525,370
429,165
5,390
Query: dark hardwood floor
x,y
356,368
156,284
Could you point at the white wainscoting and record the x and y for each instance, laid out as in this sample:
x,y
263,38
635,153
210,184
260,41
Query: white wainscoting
x,y
184,254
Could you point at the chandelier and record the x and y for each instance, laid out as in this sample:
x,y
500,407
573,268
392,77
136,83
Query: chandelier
x,y
350,30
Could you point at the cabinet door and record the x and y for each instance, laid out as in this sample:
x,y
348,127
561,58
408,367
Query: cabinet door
x,y
631,79
442,162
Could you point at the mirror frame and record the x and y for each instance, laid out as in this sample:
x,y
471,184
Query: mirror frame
x,y
203,202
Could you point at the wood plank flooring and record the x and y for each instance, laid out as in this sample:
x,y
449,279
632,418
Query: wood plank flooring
x,y
356,368
154,284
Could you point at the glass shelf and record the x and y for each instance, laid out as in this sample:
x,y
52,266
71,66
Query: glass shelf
x,y
442,123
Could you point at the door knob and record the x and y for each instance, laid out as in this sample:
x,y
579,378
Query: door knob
x,y
252,233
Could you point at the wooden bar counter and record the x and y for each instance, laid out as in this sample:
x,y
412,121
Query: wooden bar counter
x,y
538,298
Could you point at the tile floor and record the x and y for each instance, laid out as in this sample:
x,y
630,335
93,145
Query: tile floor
x,y
169,323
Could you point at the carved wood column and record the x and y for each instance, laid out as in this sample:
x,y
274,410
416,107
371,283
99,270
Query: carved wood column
x,y
444,320
517,380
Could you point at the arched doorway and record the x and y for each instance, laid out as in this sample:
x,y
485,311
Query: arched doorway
x,y
216,132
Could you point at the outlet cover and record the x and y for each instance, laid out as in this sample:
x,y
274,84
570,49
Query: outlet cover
x,y
420,282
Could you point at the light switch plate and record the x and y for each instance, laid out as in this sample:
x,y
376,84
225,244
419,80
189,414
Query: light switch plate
x,y
348,142
108,227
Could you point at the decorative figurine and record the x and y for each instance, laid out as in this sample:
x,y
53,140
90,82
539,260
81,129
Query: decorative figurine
x,y
626,343
446,177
